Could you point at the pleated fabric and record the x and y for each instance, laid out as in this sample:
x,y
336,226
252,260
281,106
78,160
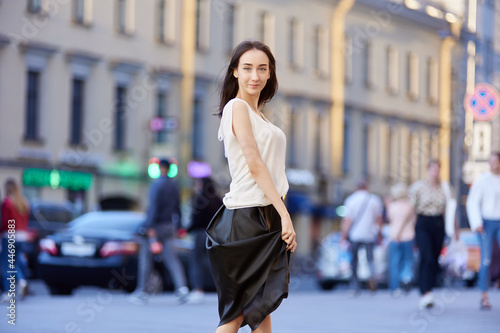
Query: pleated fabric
x,y
249,263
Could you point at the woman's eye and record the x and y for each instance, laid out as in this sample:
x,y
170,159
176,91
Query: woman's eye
x,y
246,69
263,69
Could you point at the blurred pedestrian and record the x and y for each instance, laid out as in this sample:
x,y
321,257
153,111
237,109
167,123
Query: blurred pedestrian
x,y
14,231
401,216
362,226
483,210
163,218
250,237
429,200
206,202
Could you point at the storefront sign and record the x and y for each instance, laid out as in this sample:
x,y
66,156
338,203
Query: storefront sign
x,y
71,180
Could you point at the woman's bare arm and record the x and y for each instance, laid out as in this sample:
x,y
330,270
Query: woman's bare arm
x,y
242,129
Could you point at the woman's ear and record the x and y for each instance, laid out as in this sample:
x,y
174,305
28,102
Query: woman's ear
x,y
235,73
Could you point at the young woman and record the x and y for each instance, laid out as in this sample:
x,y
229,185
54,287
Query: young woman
x,y
483,210
15,214
401,218
429,200
250,237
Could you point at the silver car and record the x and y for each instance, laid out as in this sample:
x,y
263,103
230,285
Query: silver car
x,y
334,262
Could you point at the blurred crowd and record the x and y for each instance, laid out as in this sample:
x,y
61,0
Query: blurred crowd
x,y
418,220
423,215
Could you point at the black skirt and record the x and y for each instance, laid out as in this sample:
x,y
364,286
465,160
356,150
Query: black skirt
x,y
249,263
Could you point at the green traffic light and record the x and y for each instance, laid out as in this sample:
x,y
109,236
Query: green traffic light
x,y
154,170
173,171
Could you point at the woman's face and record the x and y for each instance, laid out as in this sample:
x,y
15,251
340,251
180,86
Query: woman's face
x,y
433,171
252,72
495,164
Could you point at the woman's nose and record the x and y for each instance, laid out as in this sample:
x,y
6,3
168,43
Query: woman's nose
x,y
254,75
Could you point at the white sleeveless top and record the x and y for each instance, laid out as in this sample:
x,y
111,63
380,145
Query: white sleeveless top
x,y
271,142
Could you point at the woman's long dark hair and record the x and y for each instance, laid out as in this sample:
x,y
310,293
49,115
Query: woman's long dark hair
x,y
229,88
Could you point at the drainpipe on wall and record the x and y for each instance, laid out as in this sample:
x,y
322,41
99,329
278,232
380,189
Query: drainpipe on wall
x,y
445,105
188,50
338,85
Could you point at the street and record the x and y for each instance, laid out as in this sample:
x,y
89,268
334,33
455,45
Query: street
x,y
307,310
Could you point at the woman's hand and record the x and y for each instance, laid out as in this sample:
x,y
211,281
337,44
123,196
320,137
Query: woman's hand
x,y
288,233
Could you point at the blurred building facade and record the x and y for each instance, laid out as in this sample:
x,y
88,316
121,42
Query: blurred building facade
x,y
365,88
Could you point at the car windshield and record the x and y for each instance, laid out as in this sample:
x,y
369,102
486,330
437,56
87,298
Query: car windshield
x,y
119,222
52,214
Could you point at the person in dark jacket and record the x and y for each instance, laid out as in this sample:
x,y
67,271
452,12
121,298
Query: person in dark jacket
x,y
205,204
162,221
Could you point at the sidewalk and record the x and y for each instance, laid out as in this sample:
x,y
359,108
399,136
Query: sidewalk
x,y
93,310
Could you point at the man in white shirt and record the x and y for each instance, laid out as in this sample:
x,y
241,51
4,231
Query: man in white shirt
x,y
483,210
362,224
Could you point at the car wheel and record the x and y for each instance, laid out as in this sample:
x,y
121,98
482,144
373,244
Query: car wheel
x,y
154,284
327,285
60,290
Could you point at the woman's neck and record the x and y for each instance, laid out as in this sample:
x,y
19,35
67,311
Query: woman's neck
x,y
253,101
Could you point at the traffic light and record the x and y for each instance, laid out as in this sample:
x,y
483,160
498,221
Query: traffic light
x,y
154,167
174,169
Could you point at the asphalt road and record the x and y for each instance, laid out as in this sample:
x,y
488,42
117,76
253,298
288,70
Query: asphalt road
x,y
307,310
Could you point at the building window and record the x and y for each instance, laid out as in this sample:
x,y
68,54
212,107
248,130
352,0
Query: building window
x,y
346,150
122,16
35,6
79,11
161,20
230,19
266,29
202,25
33,106
348,54
320,57
77,107
432,81
166,21
292,138
295,51
161,111
389,176
125,11
415,156
365,144
318,144
413,82
120,115
392,71
198,137
368,68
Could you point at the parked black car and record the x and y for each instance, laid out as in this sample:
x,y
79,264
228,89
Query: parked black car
x,y
45,219
101,249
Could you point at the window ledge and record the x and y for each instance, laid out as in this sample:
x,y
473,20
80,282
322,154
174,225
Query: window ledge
x,y
202,50
122,152
40,12
295,68
392,91
320,75
413,97
33,142
85,25
124,33
370,86
163,42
